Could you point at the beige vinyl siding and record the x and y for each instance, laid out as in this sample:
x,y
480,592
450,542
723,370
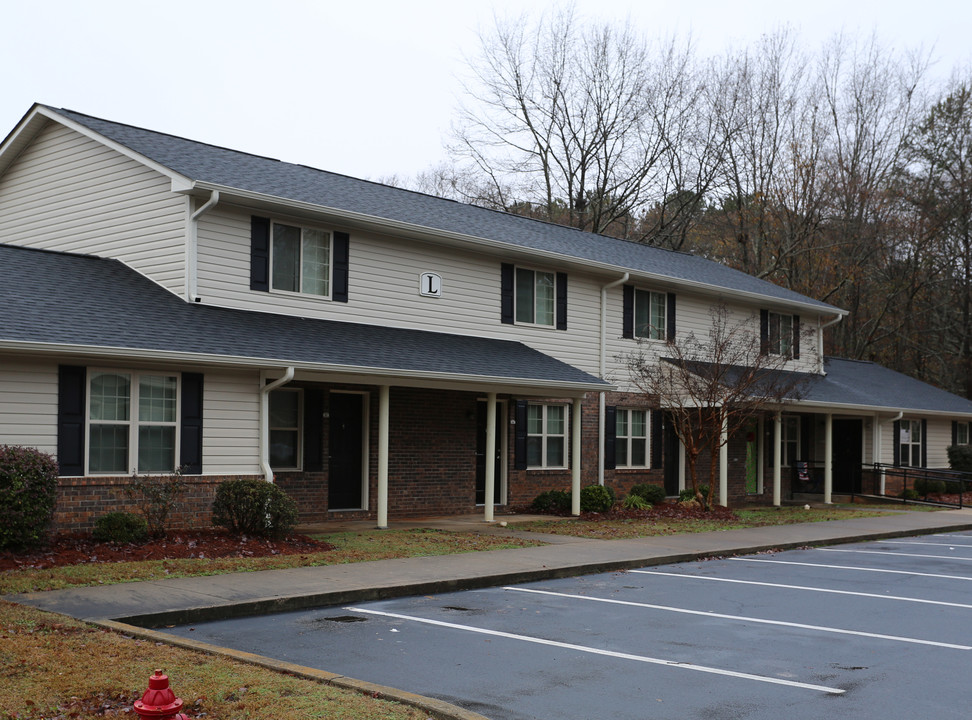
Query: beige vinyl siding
x,y
231,423
28,403
384,289
939,438
67,192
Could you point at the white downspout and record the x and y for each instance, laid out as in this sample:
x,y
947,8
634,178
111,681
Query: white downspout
x,y
820,344
877,442
192,248
602,370
265,418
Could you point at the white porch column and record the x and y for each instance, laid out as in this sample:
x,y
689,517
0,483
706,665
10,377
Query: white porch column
x,y
681,465
383,405
724,463
777,453
828,457
490,456
575,458
876,447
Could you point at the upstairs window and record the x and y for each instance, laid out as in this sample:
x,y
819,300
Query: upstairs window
x,y
779,334
648,314
300,260
533,297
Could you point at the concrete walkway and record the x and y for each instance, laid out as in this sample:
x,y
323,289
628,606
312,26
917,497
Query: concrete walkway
x,y
174,601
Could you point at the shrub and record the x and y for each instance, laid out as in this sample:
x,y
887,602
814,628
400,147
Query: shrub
x,y
155,496
551,501
909,494
28,491
120,527
650,493
926,487
689,493
636,502
596,498
252,506
960,457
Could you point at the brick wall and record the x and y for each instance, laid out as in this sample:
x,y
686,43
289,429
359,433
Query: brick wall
x,y
81,501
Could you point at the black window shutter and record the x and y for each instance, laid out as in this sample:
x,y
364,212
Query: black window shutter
x,y
627,316
924,443
191,425
656,439
313,430
610,437
520,436
561,301
506,293
260,254
670,318
796,337
70,419
339,293
954,432
896,442
763,332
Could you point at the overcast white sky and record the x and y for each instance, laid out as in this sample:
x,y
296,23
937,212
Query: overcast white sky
x,y
362,87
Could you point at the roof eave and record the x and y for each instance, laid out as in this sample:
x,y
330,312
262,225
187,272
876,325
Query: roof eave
x,y
350,373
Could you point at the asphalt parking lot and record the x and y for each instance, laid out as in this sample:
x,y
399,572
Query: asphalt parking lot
x,y
879,629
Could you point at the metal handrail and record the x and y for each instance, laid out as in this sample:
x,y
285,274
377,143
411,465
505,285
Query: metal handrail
x,y
910,475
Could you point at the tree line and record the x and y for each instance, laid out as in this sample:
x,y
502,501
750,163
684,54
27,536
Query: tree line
x,y
843,173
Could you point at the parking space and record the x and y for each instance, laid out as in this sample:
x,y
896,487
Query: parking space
x,y
878,629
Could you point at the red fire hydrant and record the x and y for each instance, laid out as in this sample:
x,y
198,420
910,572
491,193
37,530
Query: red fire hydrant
x,y
159,702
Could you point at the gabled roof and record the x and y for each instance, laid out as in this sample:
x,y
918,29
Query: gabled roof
x,y
87,305
211,167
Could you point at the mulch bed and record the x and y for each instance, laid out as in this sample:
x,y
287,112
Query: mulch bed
x,y
79,549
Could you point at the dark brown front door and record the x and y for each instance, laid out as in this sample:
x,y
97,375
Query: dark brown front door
x,y
481,456
848,447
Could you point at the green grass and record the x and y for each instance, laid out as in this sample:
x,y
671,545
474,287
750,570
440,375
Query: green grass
x,y
350,547
606,529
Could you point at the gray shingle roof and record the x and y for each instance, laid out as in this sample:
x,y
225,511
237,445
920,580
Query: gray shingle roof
x,y
201,162
84,301
856,382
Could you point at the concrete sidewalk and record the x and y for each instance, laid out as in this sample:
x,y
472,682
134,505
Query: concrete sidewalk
x,y
188,600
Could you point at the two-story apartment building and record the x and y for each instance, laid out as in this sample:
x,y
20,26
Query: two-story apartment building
x,y
375,351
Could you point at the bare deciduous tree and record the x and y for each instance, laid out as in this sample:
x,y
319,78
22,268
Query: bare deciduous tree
x,y
717,381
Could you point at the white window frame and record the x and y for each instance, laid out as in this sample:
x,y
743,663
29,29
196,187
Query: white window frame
x,y
657,305
790,446
779,342
629,438
517,305
911,427
545,436
133,422
299,430
329,280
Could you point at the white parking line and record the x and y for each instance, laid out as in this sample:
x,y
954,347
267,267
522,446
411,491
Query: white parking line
x,y
598,651
762,621
807,588
854,567
882,552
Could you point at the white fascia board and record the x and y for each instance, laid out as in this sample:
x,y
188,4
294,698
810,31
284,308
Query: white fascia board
x,y
375,376
52,114
505,249
846,408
